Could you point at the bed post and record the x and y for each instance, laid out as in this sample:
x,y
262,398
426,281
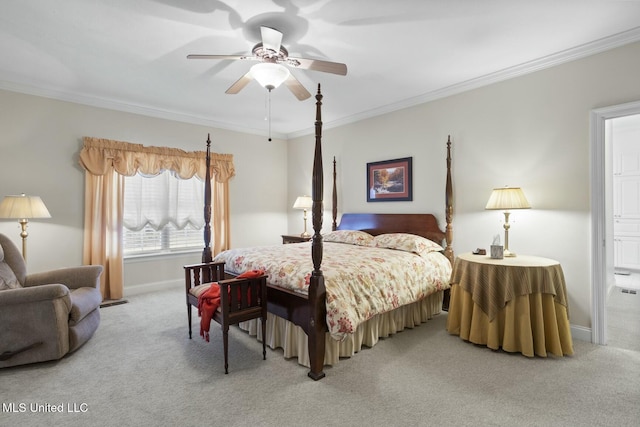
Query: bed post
x,y
206,253
448,235
317,293
334,199
448,251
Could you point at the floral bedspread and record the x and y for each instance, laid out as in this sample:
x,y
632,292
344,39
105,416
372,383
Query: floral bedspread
x,y
360,281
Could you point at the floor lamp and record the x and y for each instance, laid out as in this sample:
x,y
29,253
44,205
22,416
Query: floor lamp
x,y
505,199
23,208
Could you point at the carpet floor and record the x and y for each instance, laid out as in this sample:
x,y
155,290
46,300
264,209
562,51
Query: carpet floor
x,y
140,369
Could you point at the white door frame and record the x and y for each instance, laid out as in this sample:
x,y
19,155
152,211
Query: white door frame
x,y
600,242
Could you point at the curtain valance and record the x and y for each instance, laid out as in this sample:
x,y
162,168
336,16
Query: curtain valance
x,y
99,155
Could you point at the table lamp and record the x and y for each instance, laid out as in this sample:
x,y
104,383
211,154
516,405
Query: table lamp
x,y
304,202
23,208
507,198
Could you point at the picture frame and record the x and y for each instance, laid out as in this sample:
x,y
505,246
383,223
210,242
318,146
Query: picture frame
x,y
390,180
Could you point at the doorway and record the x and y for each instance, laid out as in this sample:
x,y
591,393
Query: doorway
x,y
602,259
623,299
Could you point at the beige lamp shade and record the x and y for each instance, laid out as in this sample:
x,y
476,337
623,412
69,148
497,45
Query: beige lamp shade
x,y
303,202
23,207
507,198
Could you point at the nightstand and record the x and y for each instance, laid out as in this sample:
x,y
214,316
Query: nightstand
x,y
518,304
294,239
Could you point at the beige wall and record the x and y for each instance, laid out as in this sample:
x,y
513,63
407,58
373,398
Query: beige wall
x,y
39,145
530,131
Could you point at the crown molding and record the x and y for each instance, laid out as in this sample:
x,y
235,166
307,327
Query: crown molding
x,y
568,55
588,49
148,111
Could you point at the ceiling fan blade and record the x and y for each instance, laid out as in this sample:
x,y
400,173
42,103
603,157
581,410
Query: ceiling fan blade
x,y
296,88
239,84
318,65
271,39
218,57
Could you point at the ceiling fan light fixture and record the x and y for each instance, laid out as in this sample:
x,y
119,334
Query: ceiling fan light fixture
x,y
270,75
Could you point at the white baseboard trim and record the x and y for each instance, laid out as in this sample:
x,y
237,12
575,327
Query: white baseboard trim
x,y
581,333
152,287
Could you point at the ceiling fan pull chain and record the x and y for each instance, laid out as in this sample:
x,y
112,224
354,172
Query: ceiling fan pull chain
x,y
266,106
269,113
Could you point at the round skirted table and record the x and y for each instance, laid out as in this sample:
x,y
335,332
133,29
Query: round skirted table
x,y
517,303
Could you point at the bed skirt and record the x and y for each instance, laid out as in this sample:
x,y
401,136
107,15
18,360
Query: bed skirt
x,y
291,338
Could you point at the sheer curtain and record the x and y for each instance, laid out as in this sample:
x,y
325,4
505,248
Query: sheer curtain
x,y
106,162
163,200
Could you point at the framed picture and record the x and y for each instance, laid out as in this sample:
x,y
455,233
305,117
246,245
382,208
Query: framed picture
x,y
389,181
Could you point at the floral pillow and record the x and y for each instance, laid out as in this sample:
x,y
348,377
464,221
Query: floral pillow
x,y
406,242
352,237
8,280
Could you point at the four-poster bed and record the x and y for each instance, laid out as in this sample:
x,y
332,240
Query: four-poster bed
x,y
307,308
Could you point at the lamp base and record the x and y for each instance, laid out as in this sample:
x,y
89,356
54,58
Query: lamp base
x,y
305,235
508,253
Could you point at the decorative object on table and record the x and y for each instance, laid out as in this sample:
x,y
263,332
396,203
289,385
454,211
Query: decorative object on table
x,y
507,198
23,208
390,180
497,250
480,251
304,202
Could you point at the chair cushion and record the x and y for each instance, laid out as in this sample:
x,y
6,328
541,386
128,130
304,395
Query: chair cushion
x,y
83,302
8,279
196,291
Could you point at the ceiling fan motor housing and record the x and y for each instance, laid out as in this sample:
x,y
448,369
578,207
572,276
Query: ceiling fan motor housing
x,y
269,55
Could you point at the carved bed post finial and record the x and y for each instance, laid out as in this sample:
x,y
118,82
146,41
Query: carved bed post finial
x,y
448,251
206,253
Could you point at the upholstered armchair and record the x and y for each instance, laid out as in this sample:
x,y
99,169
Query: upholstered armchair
x,y
44,316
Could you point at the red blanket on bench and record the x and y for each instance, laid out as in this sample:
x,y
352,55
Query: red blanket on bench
x,y
209,301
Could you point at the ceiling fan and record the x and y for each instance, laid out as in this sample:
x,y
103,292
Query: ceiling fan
x,y
270,71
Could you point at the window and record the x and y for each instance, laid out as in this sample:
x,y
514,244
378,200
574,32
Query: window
x,y
162,214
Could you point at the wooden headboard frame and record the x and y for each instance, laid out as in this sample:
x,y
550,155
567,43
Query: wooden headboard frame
x,y
425,225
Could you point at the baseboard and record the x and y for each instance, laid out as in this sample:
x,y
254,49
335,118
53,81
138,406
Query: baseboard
x,y
109,303
152,287
581,333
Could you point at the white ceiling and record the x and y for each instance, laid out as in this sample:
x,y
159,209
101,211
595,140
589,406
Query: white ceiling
x,y
131,55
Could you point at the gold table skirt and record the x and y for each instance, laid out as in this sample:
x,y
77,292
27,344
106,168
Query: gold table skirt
x,y
531,324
